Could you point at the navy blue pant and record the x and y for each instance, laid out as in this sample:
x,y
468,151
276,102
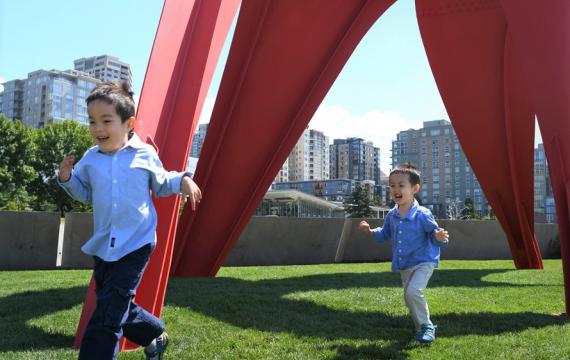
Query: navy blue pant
x,y
116,315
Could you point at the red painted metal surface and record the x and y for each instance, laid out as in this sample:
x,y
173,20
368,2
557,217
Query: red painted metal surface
x,y
496,64
186,48
541,33
284,57
480,79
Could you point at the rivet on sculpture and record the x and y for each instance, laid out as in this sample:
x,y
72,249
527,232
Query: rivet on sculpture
x,y
497,64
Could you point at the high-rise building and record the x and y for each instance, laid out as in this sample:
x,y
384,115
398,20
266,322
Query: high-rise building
x,y
104,68
540,181
544,206
446,174
354,159
283,174
198,140
46,97
12,99
309,159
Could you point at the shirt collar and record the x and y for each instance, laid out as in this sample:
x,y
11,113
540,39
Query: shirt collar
x,y
411,212
135,142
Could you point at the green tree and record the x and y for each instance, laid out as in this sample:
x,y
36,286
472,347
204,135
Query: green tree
x,y
16,159
468,211
53,143
358,204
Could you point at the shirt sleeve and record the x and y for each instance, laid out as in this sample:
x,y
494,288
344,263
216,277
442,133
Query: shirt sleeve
x,y
77,186
162,182
429,225
385,232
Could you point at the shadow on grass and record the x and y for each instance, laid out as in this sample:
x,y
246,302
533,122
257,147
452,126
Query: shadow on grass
x,y
17,309
263,305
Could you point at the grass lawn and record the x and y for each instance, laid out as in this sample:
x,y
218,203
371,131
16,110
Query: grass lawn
x,y
483,309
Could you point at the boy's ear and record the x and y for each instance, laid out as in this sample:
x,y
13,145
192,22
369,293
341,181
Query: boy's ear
x,y
131,121
416,188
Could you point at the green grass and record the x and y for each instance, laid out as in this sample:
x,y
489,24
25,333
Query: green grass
x,y
483,309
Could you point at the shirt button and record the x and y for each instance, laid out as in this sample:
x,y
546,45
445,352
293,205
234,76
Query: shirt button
x,y
399,232
399,241
400,250
115,205
114,181
115,158
400,221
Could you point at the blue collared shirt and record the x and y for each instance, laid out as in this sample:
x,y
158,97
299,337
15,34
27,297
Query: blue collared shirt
x,y
413,237
118,186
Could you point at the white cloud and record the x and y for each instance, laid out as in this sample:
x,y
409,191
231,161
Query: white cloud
x,y
336,122
2,81
375,125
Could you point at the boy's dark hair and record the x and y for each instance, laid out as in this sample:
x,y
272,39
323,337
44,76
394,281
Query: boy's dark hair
x,y
117,94
408,169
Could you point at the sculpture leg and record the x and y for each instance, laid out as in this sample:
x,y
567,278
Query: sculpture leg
x,y
284,57
481,84
542,38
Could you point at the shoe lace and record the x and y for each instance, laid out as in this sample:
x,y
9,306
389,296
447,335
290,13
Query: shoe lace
x,y
428,329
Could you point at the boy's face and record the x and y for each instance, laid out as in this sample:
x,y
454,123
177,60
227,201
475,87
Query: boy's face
x,y
401,189
106,127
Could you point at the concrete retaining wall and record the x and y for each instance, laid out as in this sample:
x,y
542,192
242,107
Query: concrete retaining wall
x,y
284,240
78,229
28,240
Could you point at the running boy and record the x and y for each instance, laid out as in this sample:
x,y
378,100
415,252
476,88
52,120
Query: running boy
x,y
416,242
116,176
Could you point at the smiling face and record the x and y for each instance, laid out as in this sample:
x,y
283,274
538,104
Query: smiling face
x,y
106,126
401,190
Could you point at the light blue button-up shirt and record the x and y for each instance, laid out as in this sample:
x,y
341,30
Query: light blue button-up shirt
x,y
413,237
118,186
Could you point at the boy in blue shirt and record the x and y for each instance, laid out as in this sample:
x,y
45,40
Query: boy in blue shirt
x,y
117,176
416,242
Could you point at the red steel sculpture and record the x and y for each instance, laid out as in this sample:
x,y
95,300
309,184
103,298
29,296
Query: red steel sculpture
x,y
497,64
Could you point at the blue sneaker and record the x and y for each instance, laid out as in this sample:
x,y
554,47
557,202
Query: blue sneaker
x,y
426,334
156,349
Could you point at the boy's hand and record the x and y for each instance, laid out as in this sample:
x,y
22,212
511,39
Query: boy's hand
x,y
65,167
364,226
190,191
441,235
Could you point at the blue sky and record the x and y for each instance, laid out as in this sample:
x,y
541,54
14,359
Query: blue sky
x,y
385,87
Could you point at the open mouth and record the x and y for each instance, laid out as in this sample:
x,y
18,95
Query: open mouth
x,y
102,138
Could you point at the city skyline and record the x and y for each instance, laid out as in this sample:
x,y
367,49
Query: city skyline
x,y
385,87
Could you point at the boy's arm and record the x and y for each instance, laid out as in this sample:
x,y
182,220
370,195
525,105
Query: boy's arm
x,y
379,233
74,180
438,235
166,183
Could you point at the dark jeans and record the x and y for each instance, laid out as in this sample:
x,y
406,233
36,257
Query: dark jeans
x,y
116,314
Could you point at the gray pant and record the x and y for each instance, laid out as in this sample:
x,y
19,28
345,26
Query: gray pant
x,y
415,281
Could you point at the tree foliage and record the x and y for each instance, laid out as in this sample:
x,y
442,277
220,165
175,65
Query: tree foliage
x,y
357,205
468,211
17,152
53,143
